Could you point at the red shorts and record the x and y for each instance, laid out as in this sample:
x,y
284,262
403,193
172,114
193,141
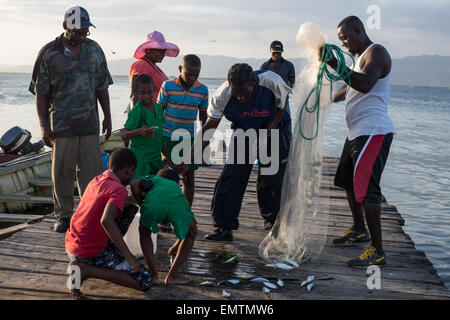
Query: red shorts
x,y
361,165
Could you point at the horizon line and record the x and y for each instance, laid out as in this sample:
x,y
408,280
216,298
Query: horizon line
x,y
212,78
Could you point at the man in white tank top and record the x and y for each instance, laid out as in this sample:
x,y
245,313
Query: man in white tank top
x,y
370,135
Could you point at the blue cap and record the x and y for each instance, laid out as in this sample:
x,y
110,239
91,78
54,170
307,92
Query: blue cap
x,y
77,17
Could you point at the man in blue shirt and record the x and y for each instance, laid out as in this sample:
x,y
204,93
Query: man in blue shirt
x,y
279,65
250,101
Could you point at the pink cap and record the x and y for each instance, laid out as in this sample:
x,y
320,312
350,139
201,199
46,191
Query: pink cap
x,y
155,40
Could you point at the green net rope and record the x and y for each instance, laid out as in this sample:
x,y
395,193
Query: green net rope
x,y
341,73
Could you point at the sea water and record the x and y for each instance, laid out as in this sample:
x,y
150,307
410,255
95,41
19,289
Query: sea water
x,y
416,178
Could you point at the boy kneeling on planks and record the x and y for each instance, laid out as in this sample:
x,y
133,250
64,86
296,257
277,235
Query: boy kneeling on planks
x,y
94,240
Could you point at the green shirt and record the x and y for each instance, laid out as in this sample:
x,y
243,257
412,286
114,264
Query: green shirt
x,y
71,84
166,202
146,149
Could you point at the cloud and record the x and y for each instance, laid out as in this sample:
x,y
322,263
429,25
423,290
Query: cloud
x,y
238,28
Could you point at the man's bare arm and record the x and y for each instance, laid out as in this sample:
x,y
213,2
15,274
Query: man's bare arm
x,y
375,63
110,226
339,95
42,107
103,98
278,117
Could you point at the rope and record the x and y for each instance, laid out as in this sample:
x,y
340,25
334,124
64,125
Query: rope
x,y
341,73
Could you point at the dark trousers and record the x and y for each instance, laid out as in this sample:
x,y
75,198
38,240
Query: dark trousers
x,y
231,185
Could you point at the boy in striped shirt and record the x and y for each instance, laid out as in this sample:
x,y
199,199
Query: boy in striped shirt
x,y
183,99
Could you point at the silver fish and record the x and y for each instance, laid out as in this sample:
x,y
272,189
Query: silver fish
x,y
279,266
233,281
308,280
202,255
232,259
259,280
280,283
270,285
266,290
283,266
207,284
225,294
294,263
310,286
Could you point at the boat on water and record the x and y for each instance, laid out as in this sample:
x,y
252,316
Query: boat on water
x,y
25,181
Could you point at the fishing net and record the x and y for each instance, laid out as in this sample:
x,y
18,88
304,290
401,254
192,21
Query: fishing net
x,y
300,231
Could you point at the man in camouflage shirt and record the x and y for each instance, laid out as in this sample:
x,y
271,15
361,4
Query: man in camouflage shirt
x,y
69,76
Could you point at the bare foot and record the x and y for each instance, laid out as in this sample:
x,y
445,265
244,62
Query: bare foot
x,y
77,294
178,279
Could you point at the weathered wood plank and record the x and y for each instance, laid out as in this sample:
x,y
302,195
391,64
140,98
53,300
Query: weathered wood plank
x,y
25,198
33,261
13,217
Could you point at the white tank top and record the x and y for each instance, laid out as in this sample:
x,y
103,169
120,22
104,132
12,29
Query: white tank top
x,y
367,113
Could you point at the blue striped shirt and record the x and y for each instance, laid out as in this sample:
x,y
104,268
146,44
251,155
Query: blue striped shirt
x,y
181,107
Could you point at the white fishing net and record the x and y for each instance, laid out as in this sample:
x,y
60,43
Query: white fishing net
x,y
300,230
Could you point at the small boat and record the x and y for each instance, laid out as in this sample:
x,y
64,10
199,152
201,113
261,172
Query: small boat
x,y
25,181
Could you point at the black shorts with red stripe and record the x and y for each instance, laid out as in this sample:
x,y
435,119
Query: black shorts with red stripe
x,y
361,165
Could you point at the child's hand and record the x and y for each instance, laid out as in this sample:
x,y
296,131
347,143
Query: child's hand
x,y
147,132
134,263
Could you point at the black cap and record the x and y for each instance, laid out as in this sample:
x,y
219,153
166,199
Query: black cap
x,y
276,46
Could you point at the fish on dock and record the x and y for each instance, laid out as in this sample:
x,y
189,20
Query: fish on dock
x,y
280,266
308,281
225,294
270,285
292,262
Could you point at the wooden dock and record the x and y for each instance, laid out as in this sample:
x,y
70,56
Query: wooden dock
x,y
33,261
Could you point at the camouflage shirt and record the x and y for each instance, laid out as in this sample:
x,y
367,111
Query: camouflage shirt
x,y
71,84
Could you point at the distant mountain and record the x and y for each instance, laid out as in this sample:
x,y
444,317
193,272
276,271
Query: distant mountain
x,y
427,70
430,71
212,66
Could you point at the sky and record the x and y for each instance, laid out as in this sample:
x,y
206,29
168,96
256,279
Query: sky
x,y
237,28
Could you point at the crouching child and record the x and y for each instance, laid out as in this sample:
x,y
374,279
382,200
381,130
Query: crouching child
x,y
94,240
161,199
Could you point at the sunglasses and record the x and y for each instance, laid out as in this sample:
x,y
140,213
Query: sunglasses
x,y
80,32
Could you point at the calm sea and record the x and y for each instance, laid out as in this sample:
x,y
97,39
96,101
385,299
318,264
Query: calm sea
x,y
416,178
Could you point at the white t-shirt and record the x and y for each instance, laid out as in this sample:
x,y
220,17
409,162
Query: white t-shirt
x,y
367,113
